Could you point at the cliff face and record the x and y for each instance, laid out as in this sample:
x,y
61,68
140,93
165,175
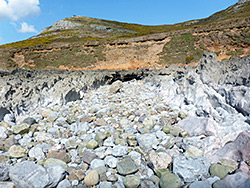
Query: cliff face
x,y
79,43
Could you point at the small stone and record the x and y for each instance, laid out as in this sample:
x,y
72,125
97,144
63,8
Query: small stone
x,y
175,130
21,129
126,166
131,181
112,178
37,153
161,172
87,157
166,129
230,164
119,151
182,115
148,123
29,121
160,160
71,144
100,137
105,184
8,143
170,181
76,175
64,184
115,87
60,154
193,151
74,183
92,144
147,141
92,178
218,170
17,151
111,161
55,161
132,143
96,163
100,122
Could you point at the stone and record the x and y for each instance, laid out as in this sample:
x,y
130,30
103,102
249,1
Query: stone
x,y
28,174
160,160
37,153
7,185
200,184
100,137
3,134
56,173
64,184
196,126
237,150
230,164
51,161
71,144
193,151
191,168
239,180
161,172
119,151
148,123
126,166
21,128
17,151
182,115
96,163
218,170
60,154
112,178
92,178
88,157
115,87
92,144
8,143
76,175
131,181
147,183
29,121
4,171
105,184
111,161
147,141
100,122
170,180
166,129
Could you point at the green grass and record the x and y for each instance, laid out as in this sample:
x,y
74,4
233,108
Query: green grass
x,y
180,50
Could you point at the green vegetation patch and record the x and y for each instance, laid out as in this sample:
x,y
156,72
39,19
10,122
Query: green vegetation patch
x,y
180,49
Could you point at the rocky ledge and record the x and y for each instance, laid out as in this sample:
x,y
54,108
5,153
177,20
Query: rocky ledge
x,y
170,128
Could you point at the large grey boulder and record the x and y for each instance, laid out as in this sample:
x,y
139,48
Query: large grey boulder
x,y
27,174
190,169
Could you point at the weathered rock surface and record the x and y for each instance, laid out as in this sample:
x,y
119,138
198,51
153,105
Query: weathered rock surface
x,y
189,126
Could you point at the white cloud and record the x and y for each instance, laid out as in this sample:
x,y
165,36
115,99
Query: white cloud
x,y
27,28
17,9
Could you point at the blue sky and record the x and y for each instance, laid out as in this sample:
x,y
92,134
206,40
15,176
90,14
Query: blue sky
x,y
21,19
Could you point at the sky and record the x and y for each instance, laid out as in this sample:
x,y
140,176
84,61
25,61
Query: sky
x,y
21,19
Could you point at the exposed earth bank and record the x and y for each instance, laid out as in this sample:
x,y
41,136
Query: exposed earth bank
x,y
137,128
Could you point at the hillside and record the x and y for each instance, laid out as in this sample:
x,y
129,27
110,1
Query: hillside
x,y
88,43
